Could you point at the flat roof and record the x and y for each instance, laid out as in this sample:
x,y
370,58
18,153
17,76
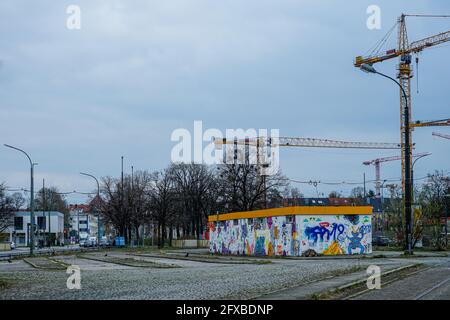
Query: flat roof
x,y
299,210
39,213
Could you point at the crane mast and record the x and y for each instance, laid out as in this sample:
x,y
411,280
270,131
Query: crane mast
x,y
404,75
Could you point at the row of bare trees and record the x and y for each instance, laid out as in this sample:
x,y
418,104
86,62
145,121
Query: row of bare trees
x,y
179,198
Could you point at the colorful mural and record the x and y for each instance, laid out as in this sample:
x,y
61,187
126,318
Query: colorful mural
x,y
292,235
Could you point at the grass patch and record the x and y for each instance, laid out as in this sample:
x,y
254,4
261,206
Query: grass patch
x,y
130,262
208,258
3,284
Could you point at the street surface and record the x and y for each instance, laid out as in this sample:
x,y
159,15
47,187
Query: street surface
x,y
129,275
432,283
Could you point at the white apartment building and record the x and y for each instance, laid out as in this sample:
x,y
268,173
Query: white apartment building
x,y
49,225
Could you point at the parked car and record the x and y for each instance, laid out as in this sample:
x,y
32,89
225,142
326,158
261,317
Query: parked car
x,y
104,243
380,241
82,242
90,242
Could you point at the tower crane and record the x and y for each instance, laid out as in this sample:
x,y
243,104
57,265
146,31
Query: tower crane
x,y
431,123
263,147
404,52
377,163
441,135
306,142
262,144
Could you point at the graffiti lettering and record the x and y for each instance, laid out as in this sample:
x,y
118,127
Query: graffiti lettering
x,y
313,233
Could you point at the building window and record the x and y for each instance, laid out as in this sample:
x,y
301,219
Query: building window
x,y
18,223
41,223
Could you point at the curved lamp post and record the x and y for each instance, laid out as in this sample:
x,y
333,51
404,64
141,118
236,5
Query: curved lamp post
x,y
32,164
412,171
98,212
407,169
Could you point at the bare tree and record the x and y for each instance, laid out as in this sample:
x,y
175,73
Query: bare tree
x,y
18,200
432,198
196,188
112,211
244,189
125,206
49,199
162,203
335,194
6,209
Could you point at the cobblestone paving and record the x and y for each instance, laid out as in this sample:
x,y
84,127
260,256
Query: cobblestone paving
x,y
101,280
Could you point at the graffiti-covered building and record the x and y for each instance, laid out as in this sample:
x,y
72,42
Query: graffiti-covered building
x,y
291,231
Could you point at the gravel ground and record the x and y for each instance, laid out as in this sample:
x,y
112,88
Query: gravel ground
x,y
102,280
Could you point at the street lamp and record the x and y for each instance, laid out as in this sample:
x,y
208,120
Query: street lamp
x,y
32,164
412,172
382,206
407,154
98,199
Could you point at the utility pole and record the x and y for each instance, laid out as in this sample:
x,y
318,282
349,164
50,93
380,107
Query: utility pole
x,y
50,221
364,177
132,199
447,209
44,209
121,192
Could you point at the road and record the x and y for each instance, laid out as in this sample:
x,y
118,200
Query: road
x,y
125,274
432,283
115,278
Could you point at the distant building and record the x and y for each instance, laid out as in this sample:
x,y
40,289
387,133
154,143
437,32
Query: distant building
x,y
374,202
83,222
46,228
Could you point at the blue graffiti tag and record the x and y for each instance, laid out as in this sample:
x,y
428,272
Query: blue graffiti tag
x,y
324,233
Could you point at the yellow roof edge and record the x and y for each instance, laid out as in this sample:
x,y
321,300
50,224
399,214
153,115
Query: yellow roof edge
x,y
298,210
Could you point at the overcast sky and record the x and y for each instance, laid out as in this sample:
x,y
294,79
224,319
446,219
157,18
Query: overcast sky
x,y
76,100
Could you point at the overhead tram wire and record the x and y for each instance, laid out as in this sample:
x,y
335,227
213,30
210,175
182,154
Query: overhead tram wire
x,y
317,182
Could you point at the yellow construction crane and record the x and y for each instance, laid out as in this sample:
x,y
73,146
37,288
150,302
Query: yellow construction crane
x,y
404,52
261,148
431,123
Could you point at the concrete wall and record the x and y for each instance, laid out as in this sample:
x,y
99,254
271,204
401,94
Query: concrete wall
x,y
190,243
325,234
